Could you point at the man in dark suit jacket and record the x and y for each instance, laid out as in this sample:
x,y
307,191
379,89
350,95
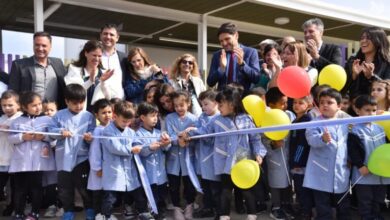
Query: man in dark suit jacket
x,y
40,73
322,54
234,62
112,58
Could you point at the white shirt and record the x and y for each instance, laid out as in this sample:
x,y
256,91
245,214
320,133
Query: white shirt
x,y
112,62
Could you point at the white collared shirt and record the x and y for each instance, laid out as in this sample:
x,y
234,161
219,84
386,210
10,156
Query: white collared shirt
x,y
112,62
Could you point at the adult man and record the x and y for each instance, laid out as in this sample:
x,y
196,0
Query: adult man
x,y
113,59
40,73
234,62
322,54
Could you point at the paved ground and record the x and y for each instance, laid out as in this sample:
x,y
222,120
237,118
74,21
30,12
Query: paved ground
x,y
234,216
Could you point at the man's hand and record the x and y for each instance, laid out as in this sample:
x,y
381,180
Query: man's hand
x,y
223,60
136,149
313,49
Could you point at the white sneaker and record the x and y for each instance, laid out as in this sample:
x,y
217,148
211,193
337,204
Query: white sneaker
x,y
60,212
50,212
99,217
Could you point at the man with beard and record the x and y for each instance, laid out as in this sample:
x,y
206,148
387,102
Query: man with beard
x,y
113,59
234,62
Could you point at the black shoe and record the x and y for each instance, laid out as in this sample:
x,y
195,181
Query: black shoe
x,y
204,213
278,214
78,209
290,211
8,210
260,208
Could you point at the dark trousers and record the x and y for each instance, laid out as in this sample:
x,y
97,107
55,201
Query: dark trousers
x,y
262,188
281,197
324,202
174,189
370,197
226,196
97,198
304,195
110,197
68,181
160,192
211,194
28,183
49,196
4,176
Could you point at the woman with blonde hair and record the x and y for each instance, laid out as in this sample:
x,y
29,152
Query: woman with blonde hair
x,y
185,76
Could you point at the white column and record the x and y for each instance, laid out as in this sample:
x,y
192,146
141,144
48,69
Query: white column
x,y
202,45
38,16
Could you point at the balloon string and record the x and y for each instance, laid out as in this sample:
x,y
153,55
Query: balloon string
x,y
346,193
285,166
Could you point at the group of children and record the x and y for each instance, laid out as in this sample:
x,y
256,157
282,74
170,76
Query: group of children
x,y
42,148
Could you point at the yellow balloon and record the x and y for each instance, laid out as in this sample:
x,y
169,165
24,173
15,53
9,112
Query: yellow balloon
x,y
255,107
385,124
245,173
334,76
275,117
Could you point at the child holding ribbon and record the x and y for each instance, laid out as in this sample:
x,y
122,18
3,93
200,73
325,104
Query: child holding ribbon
x,y
180,161
119,171
103,113
31,155
228,150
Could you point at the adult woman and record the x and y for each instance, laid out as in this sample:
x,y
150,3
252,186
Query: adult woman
x,y
185,76
271,65
141,71
162,98
372,62
88,72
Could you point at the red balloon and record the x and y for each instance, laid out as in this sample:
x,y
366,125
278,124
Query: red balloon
x,y
294,82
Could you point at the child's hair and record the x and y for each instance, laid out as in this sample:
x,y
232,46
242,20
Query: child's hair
x,y
124,109
113,101
364,100
273,95
386,83
259,91
147,91
164,89
209,94
331,93
100,104
307,99
10,94
232,95
316,90
180,93
75,92
146,108
45,102
345,96
235,85
27,98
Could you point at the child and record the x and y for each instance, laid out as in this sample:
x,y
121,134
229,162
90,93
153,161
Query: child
x,y
177,169
149,94
298,154
228,150
345,103
362,141
75,126
204,152
277,162
380,93
153,153
10,107
31,155
327,172
49,181
119,168
49,108
103,113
